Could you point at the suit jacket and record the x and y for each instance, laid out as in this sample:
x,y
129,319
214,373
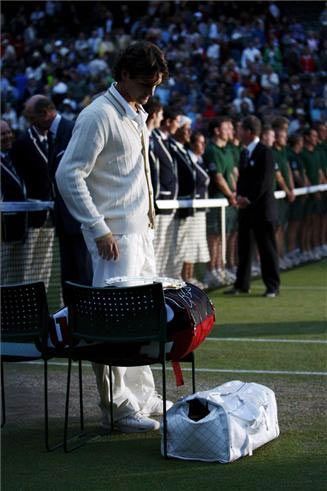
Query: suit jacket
x,y
13,224
163,168
64,221
256,182
186,176
31,160
202,178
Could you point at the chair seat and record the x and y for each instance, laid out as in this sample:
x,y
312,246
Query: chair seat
x,y
21,351
117,355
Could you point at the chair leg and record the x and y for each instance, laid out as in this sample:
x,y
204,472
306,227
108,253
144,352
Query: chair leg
x,y
66,439
81,407
3,401
164,400
46,412
111,399
193,371
67,405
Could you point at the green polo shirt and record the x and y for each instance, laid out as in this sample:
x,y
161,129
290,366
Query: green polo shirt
x,y
312,164
296,162
281,163
218,160
322,149
236,151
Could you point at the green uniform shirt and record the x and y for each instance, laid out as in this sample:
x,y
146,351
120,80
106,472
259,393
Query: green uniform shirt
x,y
236,151
322,149
281,163
296,162
312,164
218,160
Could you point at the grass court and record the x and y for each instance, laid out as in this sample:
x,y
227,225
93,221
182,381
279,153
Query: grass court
x,y
278,342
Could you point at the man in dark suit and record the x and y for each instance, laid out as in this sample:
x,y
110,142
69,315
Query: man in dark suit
x,y
74,256
258,211
13,223
30,157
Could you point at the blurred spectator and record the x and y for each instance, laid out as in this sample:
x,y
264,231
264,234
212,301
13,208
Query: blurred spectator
x,y
307,61
250,54
273,56
269,79
39,57
10,116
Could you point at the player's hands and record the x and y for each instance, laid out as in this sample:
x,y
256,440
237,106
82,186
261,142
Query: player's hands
x,y
232,199
242,201
291,196
107,247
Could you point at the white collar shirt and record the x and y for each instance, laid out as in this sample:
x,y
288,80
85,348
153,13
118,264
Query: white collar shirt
x,y
138,118
164,136
196,159
41,136
252,145
180,146
54,125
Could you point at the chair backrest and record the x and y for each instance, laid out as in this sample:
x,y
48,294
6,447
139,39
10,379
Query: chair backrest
x,y
24,313
135,313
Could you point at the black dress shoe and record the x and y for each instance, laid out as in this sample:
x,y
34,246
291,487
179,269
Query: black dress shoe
x,y
271,293
235,291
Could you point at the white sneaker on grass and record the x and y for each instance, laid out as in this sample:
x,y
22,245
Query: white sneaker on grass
x,y
229,277
211,279
136,423
197,283
220,273
154,406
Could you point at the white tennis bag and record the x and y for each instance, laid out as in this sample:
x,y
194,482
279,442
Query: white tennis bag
x,y
222,424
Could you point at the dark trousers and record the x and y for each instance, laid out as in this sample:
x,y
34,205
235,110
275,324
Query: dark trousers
x,y
75,259
262,233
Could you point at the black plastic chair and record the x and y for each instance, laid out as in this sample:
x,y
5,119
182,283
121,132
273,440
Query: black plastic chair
x,y
25,325
109,325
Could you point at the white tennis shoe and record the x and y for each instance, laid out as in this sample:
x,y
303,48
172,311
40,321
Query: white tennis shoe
x,y
154,406
136,423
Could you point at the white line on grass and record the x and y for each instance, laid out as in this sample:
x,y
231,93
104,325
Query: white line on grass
x,y
271,372
203,370
270,340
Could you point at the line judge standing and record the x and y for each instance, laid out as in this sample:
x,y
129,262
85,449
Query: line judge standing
x,y
104,178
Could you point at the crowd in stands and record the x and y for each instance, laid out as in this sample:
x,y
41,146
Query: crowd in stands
x,y
223,57
226,61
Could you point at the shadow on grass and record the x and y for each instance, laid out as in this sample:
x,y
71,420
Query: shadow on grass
x,y
124,462
275,329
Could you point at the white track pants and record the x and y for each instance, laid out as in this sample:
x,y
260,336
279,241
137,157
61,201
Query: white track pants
x,y
132,386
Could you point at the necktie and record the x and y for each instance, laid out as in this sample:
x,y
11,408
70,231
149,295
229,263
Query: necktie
x,y
51,142
44,145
